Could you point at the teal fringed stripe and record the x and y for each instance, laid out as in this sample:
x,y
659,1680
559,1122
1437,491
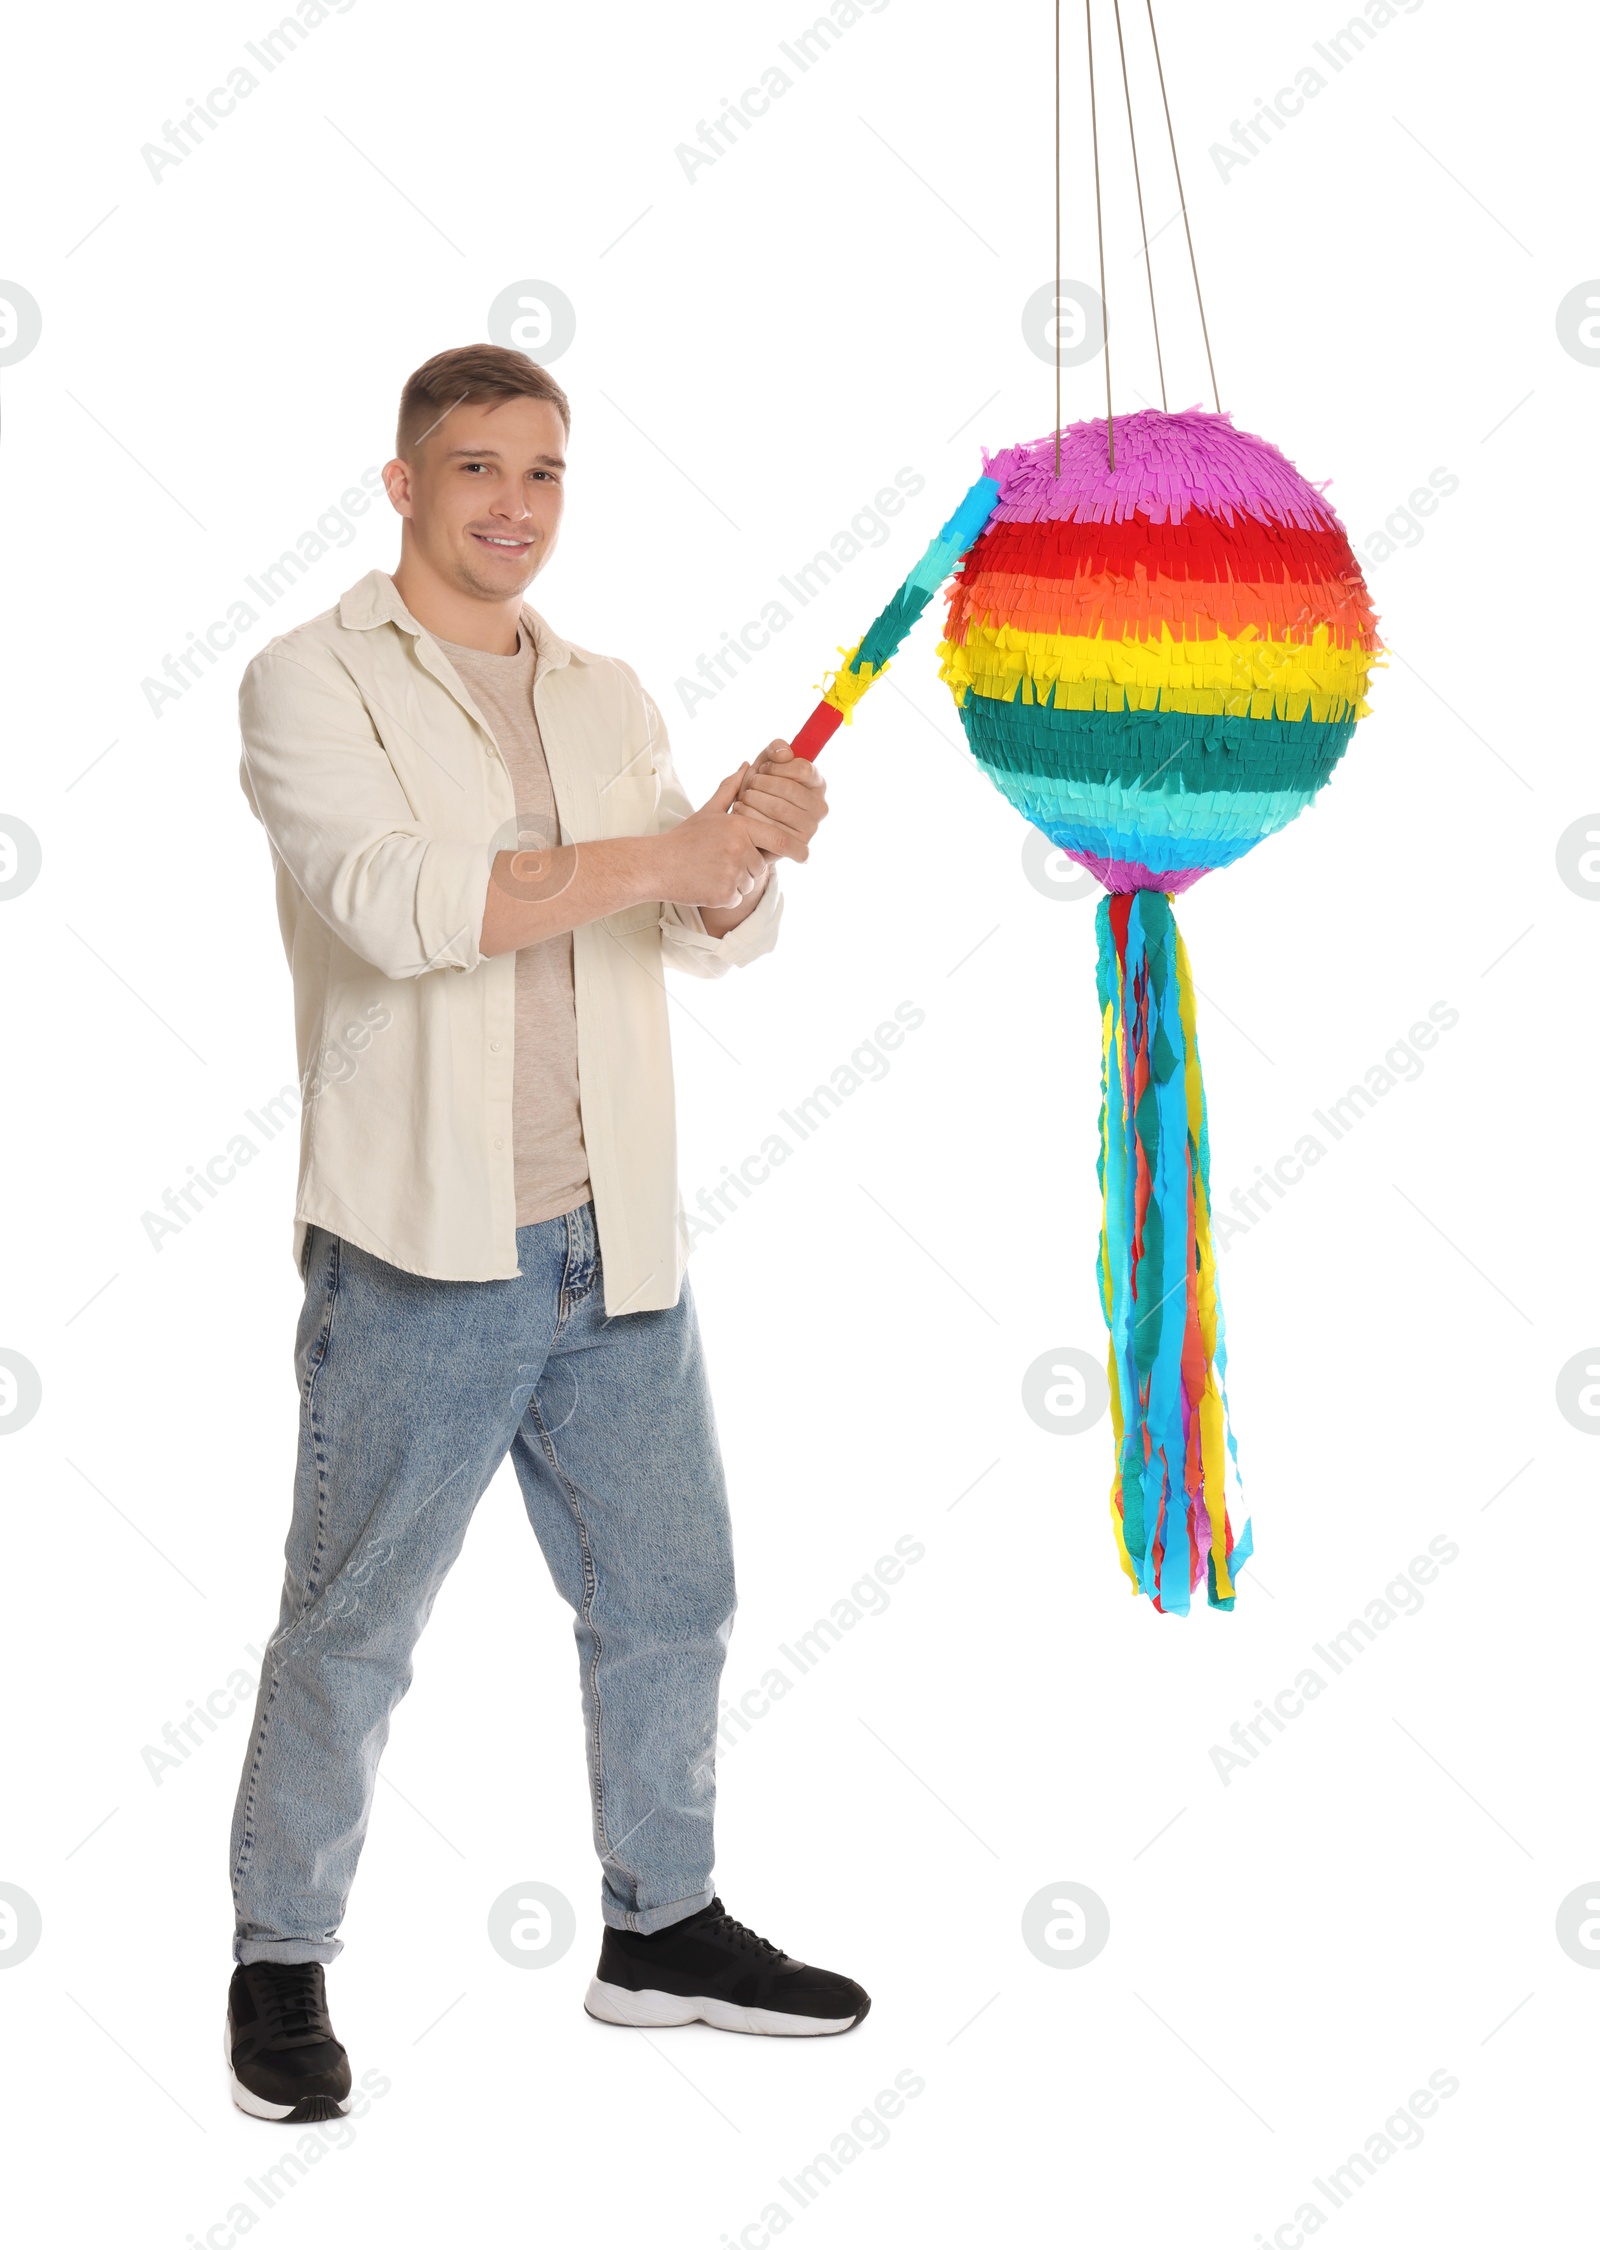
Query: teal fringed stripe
x,y
1173,750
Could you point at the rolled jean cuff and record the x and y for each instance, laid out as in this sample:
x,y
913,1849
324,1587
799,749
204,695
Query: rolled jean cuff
x,y
246,1950
649,1919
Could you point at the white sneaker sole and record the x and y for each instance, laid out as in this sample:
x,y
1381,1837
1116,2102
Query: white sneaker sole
x,y
254,2105
655,2011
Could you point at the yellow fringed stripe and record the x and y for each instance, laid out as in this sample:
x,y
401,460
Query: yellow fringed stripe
x,y
845,688
1243,675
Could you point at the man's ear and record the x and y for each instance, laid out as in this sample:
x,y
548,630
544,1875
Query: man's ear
x,y
397,483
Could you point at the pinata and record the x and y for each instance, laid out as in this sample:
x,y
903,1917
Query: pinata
x,y
1159,643
1158,663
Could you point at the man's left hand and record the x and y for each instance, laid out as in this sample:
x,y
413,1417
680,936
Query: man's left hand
x,y
789,792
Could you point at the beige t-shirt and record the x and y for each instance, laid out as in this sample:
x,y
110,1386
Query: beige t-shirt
x,y
552,1166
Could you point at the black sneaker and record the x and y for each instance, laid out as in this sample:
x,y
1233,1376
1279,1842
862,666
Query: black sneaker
x,y
711,1969
280,2049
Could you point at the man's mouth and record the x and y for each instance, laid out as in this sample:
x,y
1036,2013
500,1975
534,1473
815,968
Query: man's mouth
x,y
505,545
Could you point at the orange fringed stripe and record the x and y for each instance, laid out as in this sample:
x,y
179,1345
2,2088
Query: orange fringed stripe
x,y
1115,607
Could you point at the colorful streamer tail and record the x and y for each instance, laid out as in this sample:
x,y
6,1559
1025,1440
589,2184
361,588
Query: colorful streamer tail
x,y
1157,1268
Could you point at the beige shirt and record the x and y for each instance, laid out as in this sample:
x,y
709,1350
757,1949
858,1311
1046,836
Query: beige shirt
x,y
384,798
552,1168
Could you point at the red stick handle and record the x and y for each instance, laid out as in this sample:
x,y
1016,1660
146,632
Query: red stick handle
x,y
816,731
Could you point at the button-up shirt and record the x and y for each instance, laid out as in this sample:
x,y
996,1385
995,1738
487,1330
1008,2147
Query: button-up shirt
x,y
385,800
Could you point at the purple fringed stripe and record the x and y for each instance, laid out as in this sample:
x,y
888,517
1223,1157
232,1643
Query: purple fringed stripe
x,y
1168,465
1120,875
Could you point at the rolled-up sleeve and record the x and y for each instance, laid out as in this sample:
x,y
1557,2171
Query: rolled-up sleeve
x,y
320,781
685,940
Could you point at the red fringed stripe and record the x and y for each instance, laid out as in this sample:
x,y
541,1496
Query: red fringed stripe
x,y
1200,547
1199,552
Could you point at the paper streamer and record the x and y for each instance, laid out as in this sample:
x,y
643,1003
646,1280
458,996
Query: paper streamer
x,y
1157,1269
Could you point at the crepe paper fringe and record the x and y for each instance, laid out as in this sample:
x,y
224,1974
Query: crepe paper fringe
x,y
1127,646
1201,577
1236,817
869,659
1201,552
1112,607
1167,1355
1165,759
1167,466
1247,677
1124,875
844,689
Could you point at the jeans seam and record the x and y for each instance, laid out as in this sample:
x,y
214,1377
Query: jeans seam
x,y
596,1765
319,1353
318,1447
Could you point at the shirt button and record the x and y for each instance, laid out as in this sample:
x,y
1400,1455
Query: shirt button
x,y
499,1143
494,1046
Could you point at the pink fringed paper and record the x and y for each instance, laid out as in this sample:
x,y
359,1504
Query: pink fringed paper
x,y
1167,464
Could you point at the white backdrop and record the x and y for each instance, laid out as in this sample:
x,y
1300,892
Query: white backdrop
x,y
1377,1895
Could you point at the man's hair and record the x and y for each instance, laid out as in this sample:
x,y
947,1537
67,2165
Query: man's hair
x,y
469,373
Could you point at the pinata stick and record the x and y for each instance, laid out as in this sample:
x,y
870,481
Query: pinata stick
x,y
869,659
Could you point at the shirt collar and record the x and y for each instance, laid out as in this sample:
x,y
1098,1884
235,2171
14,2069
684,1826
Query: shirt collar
x,y
375,600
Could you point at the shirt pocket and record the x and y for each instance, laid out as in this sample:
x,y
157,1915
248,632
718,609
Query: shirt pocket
x,y
448,772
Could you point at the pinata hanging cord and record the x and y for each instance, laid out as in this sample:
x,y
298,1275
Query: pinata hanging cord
x,y
1099,221
1167,1359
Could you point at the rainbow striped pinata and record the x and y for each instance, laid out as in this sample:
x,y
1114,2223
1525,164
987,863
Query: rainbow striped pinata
x,y
1159,662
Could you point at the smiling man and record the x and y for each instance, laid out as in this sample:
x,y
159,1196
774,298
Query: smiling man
x,y
483,859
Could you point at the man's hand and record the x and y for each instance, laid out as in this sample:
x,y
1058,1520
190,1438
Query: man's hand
x,y
789,794
716,861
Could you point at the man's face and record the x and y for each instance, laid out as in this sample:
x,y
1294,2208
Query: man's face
x,y
482,494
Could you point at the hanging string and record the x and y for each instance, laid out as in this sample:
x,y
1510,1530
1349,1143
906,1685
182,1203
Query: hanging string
x,y
1099,228
1138,190
1055,296
1182,205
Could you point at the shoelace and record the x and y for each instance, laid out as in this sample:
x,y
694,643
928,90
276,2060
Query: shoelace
x,y
290,1998
724,1926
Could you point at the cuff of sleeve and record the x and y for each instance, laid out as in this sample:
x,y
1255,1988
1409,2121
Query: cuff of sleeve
x,y
452,895
684,930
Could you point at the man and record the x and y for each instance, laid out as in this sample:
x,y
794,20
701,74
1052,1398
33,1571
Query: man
x,y
483,858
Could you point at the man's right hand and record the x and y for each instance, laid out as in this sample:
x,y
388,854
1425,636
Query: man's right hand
x,y
712,860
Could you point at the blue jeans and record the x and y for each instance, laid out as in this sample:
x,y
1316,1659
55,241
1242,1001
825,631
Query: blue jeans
x,y
411,1394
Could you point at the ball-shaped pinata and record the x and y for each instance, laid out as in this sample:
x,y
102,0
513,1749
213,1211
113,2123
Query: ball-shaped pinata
x,y
1160,662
